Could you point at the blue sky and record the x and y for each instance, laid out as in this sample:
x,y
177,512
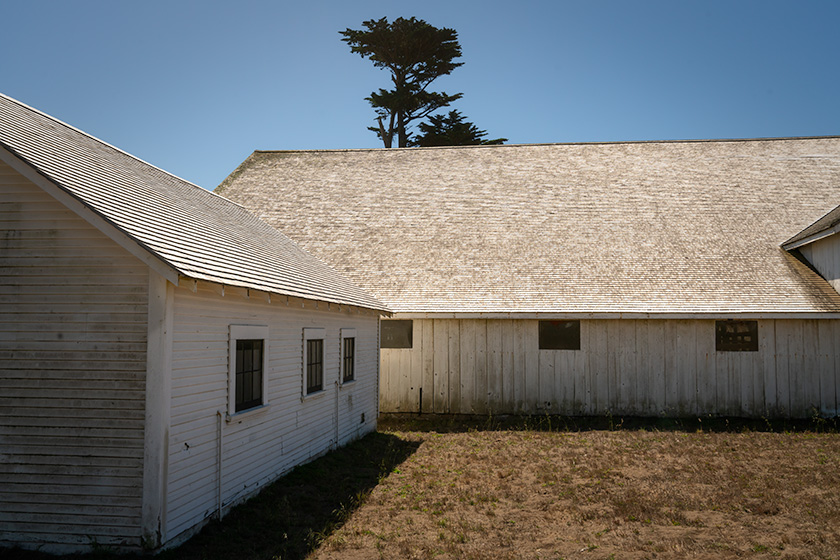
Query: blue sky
x,y
194,87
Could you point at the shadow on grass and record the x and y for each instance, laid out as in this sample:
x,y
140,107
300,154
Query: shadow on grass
x,y
290,517
455,423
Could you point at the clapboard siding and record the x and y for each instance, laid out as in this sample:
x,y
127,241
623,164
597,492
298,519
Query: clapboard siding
x,y
824,255
625,366
258,446
73,329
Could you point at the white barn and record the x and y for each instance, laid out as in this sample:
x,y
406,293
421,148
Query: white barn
x,y
163,353
633,278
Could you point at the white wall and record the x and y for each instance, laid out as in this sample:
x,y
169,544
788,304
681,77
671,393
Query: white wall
x,y
260,446
824,254
73,328
624,366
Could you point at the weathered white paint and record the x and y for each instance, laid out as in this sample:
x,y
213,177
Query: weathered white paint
x,y
259,445
158,393
73,336
824,255
625,366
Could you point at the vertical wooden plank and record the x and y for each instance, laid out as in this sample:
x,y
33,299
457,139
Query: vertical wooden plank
x,y
579,396
756,399
546,402
706,372
428,365
783,345
598,377
441,360
507,402
687,367
565,364
455,403
519,366
829,338
642,369
656,376
627,367
416,365
494,365
767,348
466,404
406,396
810,368
532,365
481,392
796,351
613,373
672,357
384,381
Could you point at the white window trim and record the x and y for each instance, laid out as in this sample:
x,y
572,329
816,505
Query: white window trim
x,y
310,333
246,332
347,333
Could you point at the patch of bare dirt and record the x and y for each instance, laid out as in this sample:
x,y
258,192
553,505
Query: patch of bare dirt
x,y
601,494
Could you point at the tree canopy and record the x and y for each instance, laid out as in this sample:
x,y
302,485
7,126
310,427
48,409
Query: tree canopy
x,y
451,130
415,53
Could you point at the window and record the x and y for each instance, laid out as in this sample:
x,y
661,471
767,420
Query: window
x,y
396,333
248,367
736,336
313,360
559,335
348,355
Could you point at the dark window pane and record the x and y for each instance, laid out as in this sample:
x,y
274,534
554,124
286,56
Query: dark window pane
x,y
396,333
559,335
249,374
736,336
349,351
314,365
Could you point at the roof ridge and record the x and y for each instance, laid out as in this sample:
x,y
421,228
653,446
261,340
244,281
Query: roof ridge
x,y
521,145
104,143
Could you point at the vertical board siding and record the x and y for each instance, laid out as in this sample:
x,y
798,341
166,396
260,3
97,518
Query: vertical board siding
x,y
824,255
644,367
73,328
259,446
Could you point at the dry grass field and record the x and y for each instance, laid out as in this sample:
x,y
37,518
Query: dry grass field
x,y
600,494
550,488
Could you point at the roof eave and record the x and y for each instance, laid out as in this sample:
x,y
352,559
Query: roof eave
x,y
797,243
89,214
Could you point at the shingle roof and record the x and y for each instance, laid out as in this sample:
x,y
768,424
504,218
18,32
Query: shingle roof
x,y
829,223
197,233
647,227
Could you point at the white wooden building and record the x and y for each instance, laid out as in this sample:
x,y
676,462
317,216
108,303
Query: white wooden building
x,y
163,353
632,278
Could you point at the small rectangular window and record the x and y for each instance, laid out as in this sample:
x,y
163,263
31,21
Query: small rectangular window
x,y
559,335
249,374
736,336
396,333
314,365
348,357
248,368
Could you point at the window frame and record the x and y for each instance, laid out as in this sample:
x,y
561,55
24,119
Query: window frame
x,y
311,333
540,335
247,332
410,334
735,345
347,334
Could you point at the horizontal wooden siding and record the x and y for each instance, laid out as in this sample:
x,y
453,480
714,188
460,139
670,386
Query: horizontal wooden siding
x,y
73,328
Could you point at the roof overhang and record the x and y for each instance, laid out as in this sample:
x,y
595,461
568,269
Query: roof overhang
x,y
707,315
88,214
812,238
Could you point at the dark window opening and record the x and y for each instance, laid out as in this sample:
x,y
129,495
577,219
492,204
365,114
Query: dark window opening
x,y
396,333
559,335
249,374
314,365
736,336
349,359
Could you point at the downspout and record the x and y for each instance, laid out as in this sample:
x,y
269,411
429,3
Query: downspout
x,y
221,416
